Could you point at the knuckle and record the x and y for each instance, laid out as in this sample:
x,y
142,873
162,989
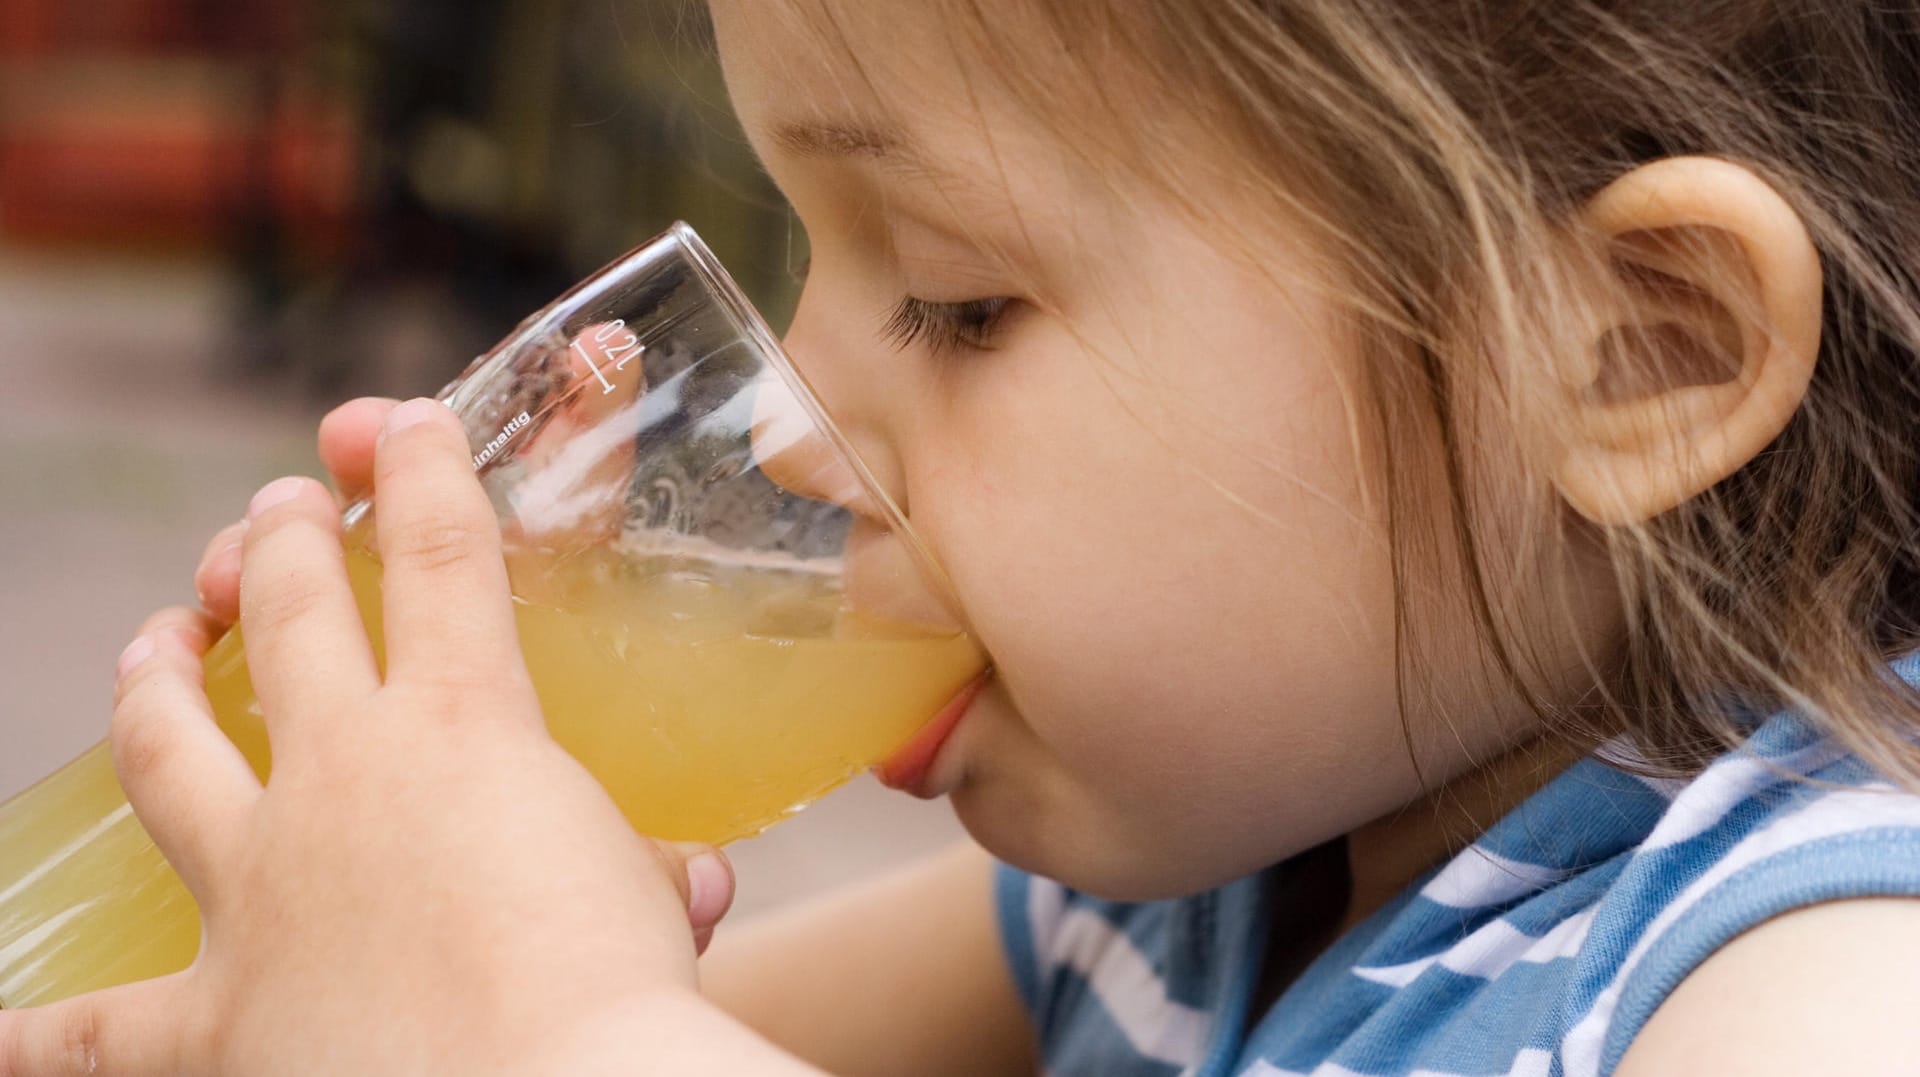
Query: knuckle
x,y
443,687
440,428
672,867
438,544
141,739
461,696
449,688
79,1040
443,709
64,1040
290,599
281,522
284,541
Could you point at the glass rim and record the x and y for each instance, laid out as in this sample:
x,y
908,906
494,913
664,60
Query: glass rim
x,y
722,287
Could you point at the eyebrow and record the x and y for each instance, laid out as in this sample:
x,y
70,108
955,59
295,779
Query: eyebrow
x,y
890,148
817,138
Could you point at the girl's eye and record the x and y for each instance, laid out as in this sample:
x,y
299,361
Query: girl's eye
x,y
970,323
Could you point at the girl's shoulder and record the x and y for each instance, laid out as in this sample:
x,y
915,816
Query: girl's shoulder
x,y
1789,820
1553,938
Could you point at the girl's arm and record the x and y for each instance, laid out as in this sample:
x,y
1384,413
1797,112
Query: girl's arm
x,y
903,974
1826,988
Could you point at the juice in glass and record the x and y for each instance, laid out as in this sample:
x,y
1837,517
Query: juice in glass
x,y
710,692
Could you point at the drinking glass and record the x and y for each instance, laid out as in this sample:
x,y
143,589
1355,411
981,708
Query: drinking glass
x,y
723,614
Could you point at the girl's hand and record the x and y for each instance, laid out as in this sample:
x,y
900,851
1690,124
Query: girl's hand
x,y
429,884
346,443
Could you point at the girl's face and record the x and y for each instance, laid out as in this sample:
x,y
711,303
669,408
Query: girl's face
x,y
1131,451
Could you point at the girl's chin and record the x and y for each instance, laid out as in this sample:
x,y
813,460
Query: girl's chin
x,y
1058,841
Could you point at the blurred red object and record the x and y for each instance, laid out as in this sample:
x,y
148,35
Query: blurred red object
x,y
155,121
30,26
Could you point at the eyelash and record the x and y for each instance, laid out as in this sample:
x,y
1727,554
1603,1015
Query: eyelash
x,y
970,323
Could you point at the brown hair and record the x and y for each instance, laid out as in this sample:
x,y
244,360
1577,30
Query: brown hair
x,y
1437,153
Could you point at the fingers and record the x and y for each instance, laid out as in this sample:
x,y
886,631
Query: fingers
x,y
125,1031
187,782
306,646
449,614
346,449
347,435
579,463
217,579
200,628
705,880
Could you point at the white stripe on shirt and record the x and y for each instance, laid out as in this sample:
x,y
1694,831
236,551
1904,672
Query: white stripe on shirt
x,y
1492,948
1528,1062
1731,782
1124,982
1481,877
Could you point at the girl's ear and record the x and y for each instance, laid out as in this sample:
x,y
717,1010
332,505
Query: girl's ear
x,y
1708,351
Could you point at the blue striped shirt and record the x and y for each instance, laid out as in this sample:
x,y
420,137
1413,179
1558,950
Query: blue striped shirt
x,y
1540,950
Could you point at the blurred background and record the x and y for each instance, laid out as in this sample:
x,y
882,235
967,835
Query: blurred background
x,y
220,217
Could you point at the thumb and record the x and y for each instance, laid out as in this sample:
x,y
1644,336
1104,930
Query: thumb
x,y
125,1031
706,881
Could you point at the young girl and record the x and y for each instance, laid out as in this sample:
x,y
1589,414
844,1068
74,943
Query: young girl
x,y
1437,480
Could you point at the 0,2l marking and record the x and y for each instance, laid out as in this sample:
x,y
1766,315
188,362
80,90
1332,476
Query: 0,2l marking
x,y
617,347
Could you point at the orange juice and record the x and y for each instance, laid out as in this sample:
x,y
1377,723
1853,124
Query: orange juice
x,y
710,697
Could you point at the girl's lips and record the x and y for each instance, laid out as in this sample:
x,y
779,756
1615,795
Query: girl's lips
x,y
906,769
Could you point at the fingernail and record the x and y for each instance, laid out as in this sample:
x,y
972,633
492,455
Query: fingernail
x,y
274,493
709,886
419,410
231,550
139,651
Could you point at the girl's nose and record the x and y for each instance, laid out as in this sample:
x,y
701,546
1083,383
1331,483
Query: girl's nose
x,y
791,448
813,455
882,579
